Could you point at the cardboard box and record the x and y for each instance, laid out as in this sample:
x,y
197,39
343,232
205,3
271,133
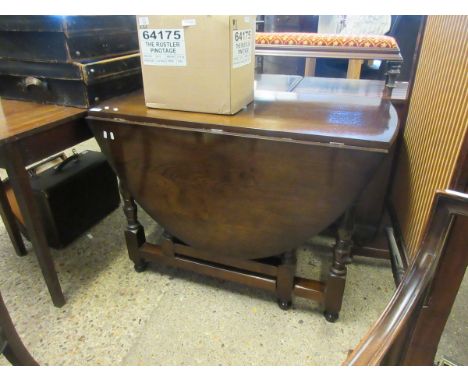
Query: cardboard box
x,y
198,63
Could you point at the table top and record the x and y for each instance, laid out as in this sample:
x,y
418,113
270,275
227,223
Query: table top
x,y
321,116
287,107
21,118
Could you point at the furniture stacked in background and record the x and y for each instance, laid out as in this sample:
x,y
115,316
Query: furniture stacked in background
x,y
68,60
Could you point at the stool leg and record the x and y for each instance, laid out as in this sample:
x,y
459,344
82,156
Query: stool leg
x,y
134,233
354,69
309,69
285,280
334,289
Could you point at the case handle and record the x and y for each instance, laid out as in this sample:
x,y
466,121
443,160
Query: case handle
x,y
74,158
33,170
29,83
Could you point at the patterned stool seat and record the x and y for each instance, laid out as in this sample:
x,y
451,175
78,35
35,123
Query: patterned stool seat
x,y
327,45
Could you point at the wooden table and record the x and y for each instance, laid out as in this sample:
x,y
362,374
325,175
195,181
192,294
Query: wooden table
x,y
237,194
30,132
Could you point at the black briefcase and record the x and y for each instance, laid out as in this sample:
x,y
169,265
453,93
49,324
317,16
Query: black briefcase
x,y
73,196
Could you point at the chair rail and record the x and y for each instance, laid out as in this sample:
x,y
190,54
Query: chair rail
x,y
391,327
10,342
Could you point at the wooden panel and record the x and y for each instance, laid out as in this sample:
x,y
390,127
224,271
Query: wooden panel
x,y
436,125
233,196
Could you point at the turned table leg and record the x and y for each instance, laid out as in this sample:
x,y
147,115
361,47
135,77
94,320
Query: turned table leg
x,y
134,233
285,280
391,74
334,289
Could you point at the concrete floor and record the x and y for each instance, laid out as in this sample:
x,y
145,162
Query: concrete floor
x,y
453,345
115,316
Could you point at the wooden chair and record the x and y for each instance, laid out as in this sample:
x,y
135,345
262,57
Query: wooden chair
x,y
409,330
11,345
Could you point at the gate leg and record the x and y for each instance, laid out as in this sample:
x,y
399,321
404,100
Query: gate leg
x,y
134,233
334,289
285,280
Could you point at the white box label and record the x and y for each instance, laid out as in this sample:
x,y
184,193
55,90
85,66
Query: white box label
x,y
242,42
143,21
189,22
163,47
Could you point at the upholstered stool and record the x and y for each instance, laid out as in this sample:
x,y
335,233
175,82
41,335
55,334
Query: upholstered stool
x,y
314,45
